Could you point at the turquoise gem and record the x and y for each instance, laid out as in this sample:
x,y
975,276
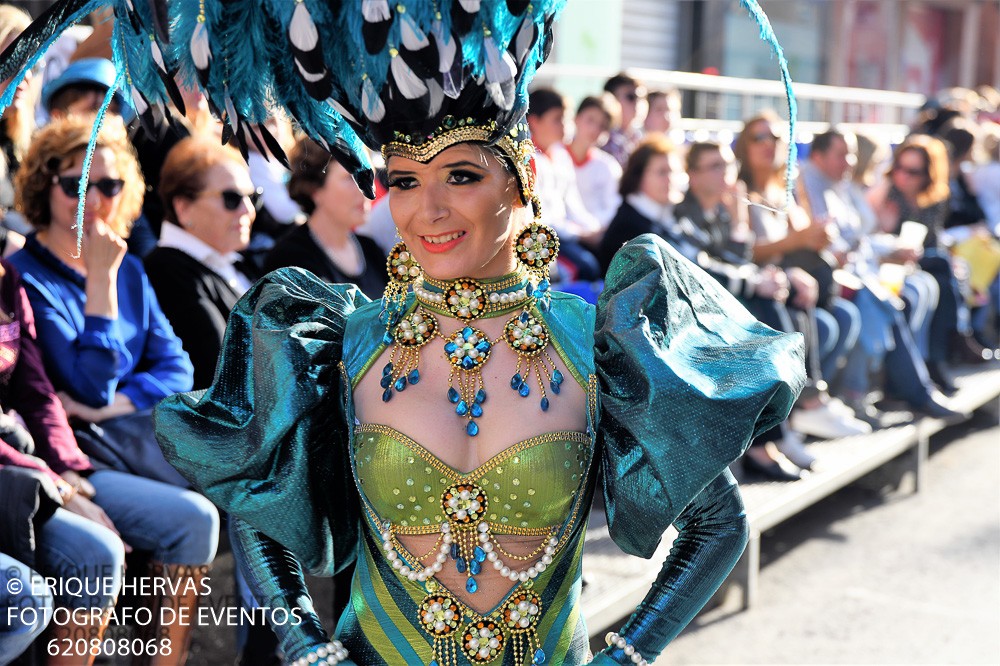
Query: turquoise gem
x,y
471,586
472,428
524,317
479,554
468,363
554,385
387,370
480,396
462,408
449,347
516,381
539,657
483,345
453,396
460,565
387,338
387,395
557,377
543,285
475,567
545,404
525,390
400,384
413,377
476,410
529,289
386,381
467,332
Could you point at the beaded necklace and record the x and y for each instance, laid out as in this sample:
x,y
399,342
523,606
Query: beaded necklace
x,y
468,349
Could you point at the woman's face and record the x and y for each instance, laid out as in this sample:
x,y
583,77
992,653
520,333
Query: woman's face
x,y
591,123
455,213
340,200
762,145
655,182
103,193
222,213
909,173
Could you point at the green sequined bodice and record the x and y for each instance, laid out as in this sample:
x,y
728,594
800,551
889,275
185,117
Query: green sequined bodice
x,y
530,486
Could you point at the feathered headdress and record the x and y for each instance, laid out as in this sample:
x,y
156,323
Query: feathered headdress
x,y
409,77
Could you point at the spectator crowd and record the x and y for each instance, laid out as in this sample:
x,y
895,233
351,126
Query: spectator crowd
x,y
886,261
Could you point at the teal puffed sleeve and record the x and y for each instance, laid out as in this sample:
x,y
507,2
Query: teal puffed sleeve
x,y
268,442
687,377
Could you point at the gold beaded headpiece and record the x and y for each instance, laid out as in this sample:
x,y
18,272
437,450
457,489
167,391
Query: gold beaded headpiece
x,y
514,144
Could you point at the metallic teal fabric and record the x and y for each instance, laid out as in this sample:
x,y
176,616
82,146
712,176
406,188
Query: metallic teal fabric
x,y
686,378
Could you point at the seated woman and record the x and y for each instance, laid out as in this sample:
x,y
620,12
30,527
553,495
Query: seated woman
x,y
326,244
196,270
107,345
99,508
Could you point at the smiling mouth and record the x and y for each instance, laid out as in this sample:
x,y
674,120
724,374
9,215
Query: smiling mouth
x,y
444,238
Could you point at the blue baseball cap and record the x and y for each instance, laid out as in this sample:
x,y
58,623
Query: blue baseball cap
x,y
88,71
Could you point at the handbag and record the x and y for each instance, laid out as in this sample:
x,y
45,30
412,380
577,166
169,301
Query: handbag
x,y
128,444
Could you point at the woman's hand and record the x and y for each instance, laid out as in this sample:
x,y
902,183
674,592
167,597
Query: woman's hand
x,y
103,249
81,485
120,406
804,287
82,506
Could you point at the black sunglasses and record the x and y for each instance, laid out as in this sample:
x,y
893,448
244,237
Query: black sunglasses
x,y
109,187
231,199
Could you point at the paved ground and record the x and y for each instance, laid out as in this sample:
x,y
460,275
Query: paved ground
x,y
871,576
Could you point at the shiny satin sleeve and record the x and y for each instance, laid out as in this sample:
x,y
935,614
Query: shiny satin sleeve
x,y
268,441
275,579
687,377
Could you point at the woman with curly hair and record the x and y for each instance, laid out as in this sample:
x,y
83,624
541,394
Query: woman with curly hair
x,y
107,345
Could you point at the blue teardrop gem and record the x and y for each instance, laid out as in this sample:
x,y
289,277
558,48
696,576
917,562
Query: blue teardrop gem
x,y
386,381
525,390
554,385
529,289
543,285
471,586
479,554
460,565
543,305
462,409
468,363
476,410
483,346
467,332
475,567
557,377
449,347
481,396
413,377
387,395
524,317
400,384
545,404
516,381
454,551
387,338
453,396
387,370
539,657
472,428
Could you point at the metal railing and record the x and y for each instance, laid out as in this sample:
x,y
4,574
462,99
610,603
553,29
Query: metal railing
x,y
717,105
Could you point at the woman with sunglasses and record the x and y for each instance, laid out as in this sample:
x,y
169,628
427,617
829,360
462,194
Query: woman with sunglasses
x,y
197,272
108,347
92,318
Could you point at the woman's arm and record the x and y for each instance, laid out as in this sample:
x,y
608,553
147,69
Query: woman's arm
x,y
275,579
712,536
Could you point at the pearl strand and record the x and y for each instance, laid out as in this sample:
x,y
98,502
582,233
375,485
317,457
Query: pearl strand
x,y
412,574
513,576
331,653
493,297
616,641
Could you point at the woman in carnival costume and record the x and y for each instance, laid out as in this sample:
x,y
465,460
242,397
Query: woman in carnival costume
x,y
449,439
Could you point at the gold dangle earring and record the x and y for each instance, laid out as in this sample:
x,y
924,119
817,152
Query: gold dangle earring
x,y
403,271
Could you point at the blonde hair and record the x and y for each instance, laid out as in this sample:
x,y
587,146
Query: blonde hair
x,y
19,126
55,146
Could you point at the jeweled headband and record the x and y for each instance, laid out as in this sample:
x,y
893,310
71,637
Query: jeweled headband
x,y
515,145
